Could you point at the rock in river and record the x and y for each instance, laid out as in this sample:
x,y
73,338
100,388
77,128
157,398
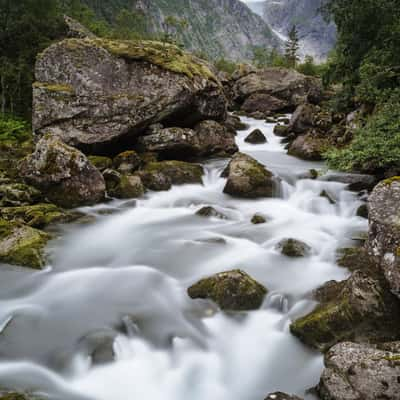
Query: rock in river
x,y
361,372
294,248
232,290
99,94
63,173
249,179
256,137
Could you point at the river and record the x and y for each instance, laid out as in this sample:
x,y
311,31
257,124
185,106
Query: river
x,y
120,280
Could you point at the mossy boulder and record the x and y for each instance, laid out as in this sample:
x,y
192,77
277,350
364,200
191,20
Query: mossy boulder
x,y
281,130
293,248
248,178
179,172
18,194
100,94
63,174
38,215
123,186
100,162
356,371
310,146
362,211
360,309
22,245
256,137
156,181
127,162
232,291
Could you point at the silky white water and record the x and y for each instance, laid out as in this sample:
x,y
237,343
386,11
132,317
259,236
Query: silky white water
x,y
125,276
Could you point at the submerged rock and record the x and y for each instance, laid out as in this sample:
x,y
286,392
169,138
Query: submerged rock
x,y
358,309
22,245
63,173
360,371
294,248
232,291
258,219
354,182
210,212
101,106
326,195
256,137
248,178
281,396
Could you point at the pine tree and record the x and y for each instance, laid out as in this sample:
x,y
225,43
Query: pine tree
x,y
292,47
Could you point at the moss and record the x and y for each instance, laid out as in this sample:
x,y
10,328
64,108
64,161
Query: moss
x,y
232,290
100,162
389,181
36,216
54,87
167,56
22,245
179,172
129,187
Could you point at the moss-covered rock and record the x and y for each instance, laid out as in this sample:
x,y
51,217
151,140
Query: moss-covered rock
x,y
359,309
18,194
22,245
127,162
362,211
210,212
294,248
258,219
63,173
281,130
123,186
100,162
38,215
179,172
232,290
248,178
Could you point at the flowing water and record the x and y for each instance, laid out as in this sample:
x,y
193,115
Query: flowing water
x,y
119,282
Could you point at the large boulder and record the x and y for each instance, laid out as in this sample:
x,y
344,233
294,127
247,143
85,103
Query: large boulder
x,y
248,178
256,137
63,173
384,229
359,309
303,118
284,84
264,103
98,94
208,138
309,147
231,290
361,372
22,245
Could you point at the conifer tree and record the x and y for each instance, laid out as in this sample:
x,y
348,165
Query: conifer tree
x,y
292,47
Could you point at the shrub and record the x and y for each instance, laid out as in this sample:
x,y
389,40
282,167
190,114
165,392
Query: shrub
x,y
14,130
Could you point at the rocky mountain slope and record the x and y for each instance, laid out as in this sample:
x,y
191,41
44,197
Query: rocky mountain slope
x,y
218,28
317,36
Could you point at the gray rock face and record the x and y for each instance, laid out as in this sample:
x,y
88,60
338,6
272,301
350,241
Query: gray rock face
x,y
359,371
384,229
249,179
264,103
318,37
98,106
286,85
63,173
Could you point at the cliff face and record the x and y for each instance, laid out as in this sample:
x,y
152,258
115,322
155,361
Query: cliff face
x,y
317,36
218,28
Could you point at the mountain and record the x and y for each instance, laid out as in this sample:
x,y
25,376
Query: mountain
x,y
218,28
317,36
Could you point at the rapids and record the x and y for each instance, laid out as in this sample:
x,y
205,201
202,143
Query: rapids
x,y
121,279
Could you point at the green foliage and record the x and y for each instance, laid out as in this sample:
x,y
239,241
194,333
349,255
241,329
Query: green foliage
x,y
14,130
268,58
292,48
308,67
225,65
376,146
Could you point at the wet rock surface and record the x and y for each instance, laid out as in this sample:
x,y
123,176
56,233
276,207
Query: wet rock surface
x,y
248,178
281,396
256,137
232,291
294,248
